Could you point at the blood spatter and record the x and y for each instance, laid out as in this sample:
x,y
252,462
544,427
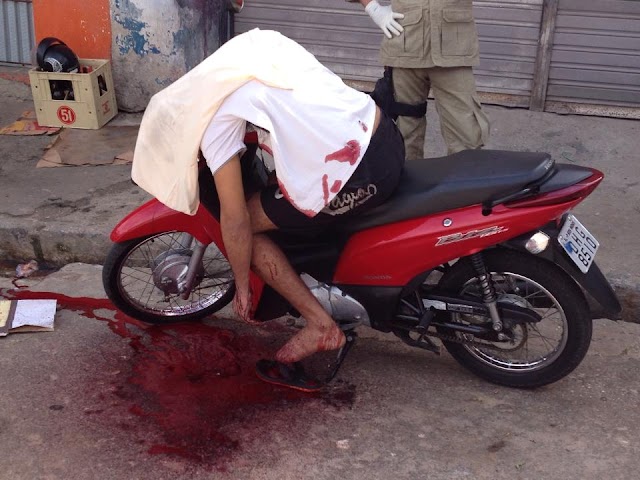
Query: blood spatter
x,y
363,125
189,384
335,188
350,153
87,307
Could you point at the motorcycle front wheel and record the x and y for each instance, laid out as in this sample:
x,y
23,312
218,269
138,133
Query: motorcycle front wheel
x,y
141,278
538,353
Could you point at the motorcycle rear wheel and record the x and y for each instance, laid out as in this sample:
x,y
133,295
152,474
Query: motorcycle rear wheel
x,y
540,353
133,271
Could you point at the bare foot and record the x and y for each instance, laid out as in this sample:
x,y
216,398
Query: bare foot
x,y
310,340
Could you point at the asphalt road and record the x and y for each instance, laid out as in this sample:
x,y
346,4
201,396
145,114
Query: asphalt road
x,y
102,397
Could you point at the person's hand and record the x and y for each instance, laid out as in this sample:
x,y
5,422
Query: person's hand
x,y
385,18
242,305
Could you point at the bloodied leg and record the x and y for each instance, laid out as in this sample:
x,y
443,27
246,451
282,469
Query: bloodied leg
x,y
272,208
320,333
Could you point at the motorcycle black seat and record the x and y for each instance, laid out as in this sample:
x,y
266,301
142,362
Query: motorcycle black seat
x,y
470,177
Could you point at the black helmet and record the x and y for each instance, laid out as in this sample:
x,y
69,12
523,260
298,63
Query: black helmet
x,y
53,55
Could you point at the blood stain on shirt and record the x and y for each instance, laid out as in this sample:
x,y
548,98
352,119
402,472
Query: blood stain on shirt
x,y
285,194
364,126
350,153
251,137
325,188
266,148
335,188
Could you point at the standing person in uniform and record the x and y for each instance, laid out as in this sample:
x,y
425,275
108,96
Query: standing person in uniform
x,y
433,44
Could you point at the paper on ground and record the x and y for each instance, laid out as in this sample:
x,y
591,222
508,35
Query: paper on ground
x,y
28,125
26,316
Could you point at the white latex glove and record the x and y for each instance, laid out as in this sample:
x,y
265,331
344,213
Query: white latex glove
x,y
385,18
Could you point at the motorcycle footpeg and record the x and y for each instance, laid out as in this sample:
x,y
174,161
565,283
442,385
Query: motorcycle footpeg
x,y
342,353
422,341
346,326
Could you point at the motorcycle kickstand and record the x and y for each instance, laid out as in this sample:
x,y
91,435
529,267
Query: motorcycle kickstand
x,y
342,353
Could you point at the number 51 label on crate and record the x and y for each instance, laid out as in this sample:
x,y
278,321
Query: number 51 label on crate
x,y
578,243
66,115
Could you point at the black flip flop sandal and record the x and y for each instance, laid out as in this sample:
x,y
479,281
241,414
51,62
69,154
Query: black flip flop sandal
x,y
287,375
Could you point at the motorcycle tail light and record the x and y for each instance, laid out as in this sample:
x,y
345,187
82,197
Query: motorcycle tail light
x,y
537,243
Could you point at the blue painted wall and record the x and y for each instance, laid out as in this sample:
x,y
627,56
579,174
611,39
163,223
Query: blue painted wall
x,y
154,42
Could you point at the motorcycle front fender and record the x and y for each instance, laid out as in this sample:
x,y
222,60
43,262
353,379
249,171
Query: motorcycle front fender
x,y
594,283
153,217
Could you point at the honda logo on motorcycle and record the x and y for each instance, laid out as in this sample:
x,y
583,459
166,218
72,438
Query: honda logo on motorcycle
x,y
462,236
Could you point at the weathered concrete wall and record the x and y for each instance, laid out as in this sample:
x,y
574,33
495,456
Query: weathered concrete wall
x,y
154,42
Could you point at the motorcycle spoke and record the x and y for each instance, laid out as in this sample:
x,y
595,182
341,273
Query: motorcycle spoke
x,y
548,345
130,284
138,279
534,295
200,290
150,294
410,307
147,275
500,287
146,271
540,334
168,244
148,255
539,343
174,304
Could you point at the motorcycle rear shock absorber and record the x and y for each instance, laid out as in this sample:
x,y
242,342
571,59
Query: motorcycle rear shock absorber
x,y
489,296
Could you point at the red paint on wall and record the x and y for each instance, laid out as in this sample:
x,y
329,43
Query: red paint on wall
x,y
350,153
86,29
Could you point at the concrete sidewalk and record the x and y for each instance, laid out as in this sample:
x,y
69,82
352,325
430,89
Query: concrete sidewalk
x,y
63,215
104,398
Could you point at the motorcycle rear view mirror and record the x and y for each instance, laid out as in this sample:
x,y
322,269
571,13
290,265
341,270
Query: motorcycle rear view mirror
x,y
235,5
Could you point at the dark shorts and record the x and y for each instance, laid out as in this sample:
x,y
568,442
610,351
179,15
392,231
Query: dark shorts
x,y
373,181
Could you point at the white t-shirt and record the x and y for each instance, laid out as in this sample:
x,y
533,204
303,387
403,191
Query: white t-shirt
x,y
318,133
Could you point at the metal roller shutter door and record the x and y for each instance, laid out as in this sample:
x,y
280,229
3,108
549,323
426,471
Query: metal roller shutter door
x,y
339,34
345,39
596,58
509,31
16,34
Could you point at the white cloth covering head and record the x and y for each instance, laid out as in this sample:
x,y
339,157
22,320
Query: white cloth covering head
x,y
166,154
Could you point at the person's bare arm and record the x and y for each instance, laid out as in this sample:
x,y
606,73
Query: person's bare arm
x,y
237,235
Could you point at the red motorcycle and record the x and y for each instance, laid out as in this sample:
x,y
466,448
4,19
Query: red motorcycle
x,y
475,250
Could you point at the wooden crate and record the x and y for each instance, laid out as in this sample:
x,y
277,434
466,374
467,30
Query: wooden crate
x,y
75,100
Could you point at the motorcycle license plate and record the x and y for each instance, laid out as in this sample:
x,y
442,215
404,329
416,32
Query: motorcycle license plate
x,y
579,244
